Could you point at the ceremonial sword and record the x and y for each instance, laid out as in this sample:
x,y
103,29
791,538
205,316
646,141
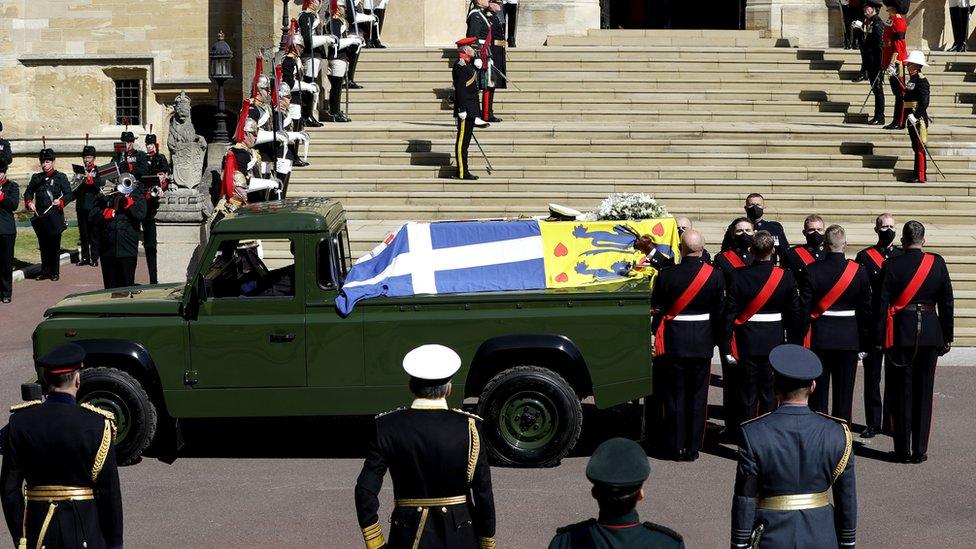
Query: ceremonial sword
x,y
871,91
924,148
476,142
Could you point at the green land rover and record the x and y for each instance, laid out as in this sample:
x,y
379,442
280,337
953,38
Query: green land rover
x,y
254,333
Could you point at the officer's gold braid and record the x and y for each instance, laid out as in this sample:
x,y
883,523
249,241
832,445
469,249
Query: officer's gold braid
x,y
474,448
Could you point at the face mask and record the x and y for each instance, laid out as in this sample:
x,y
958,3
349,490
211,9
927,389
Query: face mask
x,y
886,237
754,212
815,239
743,241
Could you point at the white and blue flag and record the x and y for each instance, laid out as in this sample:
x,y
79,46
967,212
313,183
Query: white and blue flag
x,y
449,257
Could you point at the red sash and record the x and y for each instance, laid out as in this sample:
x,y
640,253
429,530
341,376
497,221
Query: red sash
x,y
757,303
875,256
733,259
906,297
805,256
679,305
831,297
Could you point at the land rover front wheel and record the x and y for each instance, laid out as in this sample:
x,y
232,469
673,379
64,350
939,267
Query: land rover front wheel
x,y
532,417
135,416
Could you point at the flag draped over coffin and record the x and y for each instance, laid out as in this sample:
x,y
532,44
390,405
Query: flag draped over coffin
x,y
484,256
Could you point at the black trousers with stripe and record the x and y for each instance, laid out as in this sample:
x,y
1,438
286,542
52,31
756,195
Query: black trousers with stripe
x,y
911,376
685,401
465,127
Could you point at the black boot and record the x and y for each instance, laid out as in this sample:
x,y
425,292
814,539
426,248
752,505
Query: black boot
x,y
308,120
351,74
954,21
963,28
512,16
380,16
335,99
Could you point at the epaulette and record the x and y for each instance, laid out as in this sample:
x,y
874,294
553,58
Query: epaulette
x,y
377,416
102,412
577,526
23,405
837,419
469,414
748,421
664,530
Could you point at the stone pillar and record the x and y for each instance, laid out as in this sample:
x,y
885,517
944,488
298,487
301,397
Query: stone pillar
x,y
182,231
540,19
807,23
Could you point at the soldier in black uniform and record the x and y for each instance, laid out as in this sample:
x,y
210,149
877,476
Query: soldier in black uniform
x,y
737,255
117,217
916,94
498,66
789,461
130,159
799,257
755,205
439,467
687,325
618,469
465,105
64,455
916,327
155,182
6,153
314,48
86,196
873,260
836,297
9,200
761,305
479,26
871,49
47,194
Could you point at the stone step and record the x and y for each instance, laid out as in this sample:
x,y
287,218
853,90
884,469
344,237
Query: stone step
x,y
771,188
611,40
611,160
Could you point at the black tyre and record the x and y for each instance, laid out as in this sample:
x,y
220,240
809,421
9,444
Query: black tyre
x,y
123,395
533,418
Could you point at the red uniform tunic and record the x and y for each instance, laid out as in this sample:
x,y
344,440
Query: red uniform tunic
x,y
896,27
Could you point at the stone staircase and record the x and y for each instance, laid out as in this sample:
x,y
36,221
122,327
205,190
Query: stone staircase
x,y
696,118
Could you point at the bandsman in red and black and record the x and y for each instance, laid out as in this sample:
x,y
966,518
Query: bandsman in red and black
x,y
687,301
48,192
836,298
915,308
801,256
130,159
893,55
117,217
59,485
86,198
873,259
466,109
762,310
438,462
479,26
915,93
9,201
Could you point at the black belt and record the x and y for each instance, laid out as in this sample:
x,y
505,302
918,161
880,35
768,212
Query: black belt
x,y
920,307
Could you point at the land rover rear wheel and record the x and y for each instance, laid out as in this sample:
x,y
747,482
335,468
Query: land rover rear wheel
x,y
135,415
533,418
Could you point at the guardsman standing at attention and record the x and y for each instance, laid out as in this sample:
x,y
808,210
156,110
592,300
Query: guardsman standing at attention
x,y
498,66
761,304
687,326
916,104
871,50
466,108
86,197
47,194
894,54
479,26
790,461
801,256
511,23
618,469
755,206
916,327
836,297
63,453
873,260
438,464
9,200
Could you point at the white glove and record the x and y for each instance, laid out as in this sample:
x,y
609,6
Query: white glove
x,y
856,24
861,355
462,115
478,64
891,70
731,360
912,120
296,136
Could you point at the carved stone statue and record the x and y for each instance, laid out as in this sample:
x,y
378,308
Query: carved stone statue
x,y
186,149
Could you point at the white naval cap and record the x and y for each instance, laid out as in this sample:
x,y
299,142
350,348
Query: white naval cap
x,y
561,212
431,362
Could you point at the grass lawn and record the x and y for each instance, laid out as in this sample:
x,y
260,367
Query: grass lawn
x,y
26,251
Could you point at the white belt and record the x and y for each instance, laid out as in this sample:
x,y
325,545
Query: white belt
x,y
766,317
837,313
692,318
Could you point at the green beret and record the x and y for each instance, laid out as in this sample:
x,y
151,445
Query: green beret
x,y
617,463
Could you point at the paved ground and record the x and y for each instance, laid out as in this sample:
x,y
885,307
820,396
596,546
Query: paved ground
x,y
290,484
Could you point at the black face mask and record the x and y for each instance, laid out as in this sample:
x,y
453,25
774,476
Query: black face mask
x,y
886,237
754,212
742,241
815,239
